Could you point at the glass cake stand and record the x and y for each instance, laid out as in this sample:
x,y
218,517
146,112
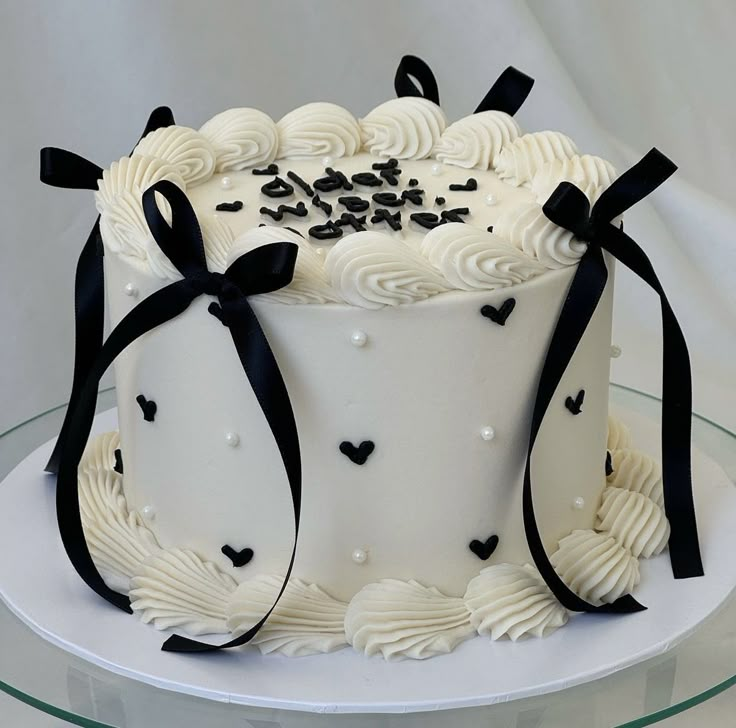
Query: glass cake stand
x,y
69,688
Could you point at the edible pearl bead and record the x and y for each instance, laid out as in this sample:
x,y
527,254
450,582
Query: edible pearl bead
x,y
148,513
358,338
615,351
131,290
232,439
327,161
359,556
226,183
436,169
487,433
579,503
490,200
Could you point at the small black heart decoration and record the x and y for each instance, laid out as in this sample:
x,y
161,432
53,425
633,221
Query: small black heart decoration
x,y
239,558
499,315
359,454
576,405
148,407
609,463
484,549
118,466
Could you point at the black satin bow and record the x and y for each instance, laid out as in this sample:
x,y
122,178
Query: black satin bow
x,y
569,208
262,270
60,168
508,92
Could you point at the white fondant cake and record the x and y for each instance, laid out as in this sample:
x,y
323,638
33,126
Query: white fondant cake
x,y
428,283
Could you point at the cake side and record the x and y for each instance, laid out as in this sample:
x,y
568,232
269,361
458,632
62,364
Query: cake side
x,y
441,392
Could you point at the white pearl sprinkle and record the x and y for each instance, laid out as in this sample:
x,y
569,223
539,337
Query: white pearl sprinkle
x,y
358,338
615,351
359,556
578,503
327,161
320,251
436,169
232,439
490,200
226,183
130,290
487,433
148,513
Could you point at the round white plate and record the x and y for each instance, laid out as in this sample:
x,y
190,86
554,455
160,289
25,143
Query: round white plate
x,y
39,585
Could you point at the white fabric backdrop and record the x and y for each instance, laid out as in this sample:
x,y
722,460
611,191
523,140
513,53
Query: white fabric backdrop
x,y
619,77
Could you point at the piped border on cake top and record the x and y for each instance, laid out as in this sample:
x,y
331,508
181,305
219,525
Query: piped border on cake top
x,y
177,588
367,267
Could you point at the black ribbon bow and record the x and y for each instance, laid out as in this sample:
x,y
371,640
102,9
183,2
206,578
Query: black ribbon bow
x,y
569,208
508,92
262,270
60,168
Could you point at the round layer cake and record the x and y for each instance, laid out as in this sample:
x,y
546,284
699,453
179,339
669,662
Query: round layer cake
x,y
428,283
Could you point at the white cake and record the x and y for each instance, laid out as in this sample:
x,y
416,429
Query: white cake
x,y
411,357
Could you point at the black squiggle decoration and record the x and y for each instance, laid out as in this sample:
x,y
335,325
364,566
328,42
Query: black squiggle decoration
x,y
148,407
239,558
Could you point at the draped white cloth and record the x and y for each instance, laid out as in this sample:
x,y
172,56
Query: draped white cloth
x,y
617,77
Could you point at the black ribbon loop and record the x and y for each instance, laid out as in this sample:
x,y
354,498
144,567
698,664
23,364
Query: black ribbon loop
x,y
262,270
508,92
569,208
410,68
60,168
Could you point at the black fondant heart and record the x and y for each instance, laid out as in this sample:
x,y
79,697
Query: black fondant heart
x,y
359,454
499,315
239,558
148,407
118,466
576,405
484,549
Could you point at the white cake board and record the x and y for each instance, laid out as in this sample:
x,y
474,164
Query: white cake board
x,y
39,585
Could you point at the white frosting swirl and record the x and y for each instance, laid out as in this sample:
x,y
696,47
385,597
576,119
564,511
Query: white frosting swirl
x,y
595,566
306,620
591,174
318,129
519,161
475,140
619,435
175,588
507,600
187,150
472,259
117,538
242,138
528,228
634,520
218,238
404,128
135,174
636,471
123,226
310,283
373,270
405,619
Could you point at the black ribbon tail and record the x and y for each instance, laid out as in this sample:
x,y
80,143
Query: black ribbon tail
x,y
412,68
508,92
582,299
268,385
61,168
154,310
569,208
684,544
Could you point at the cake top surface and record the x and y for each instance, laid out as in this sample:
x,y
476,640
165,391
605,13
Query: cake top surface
x,y
392,208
